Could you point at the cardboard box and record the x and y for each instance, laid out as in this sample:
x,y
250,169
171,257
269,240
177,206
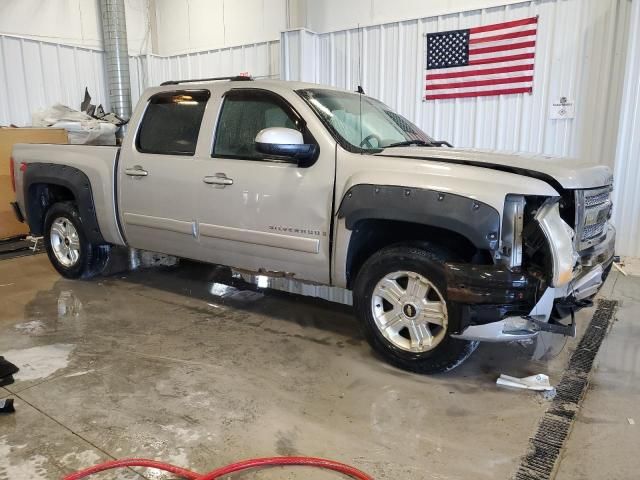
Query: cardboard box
x,y
9,226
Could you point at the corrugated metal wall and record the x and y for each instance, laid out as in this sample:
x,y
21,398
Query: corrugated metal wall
x,y
35,75
627,170
261,60
580,54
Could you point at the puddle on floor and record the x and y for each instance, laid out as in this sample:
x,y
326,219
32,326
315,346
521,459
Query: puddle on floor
x,y
39,362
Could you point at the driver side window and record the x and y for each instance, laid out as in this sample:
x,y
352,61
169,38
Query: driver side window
x,y
244,113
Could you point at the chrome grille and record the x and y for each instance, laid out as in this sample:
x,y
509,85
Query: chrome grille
x,y
596,199
592,231
593,209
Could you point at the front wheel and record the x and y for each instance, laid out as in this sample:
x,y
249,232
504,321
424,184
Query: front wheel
x,y
68,248
400,298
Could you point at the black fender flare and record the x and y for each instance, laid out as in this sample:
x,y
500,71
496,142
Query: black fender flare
x,y
475,220
70,178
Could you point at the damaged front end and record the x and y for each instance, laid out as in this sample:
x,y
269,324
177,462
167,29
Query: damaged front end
x,y
539,275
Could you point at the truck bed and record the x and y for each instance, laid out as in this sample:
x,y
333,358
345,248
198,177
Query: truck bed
x,y
98,163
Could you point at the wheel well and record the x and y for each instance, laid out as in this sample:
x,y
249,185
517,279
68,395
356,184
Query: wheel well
x,y
371,235
39,198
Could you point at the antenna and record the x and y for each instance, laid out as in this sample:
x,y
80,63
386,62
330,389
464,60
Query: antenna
x,y
360,90
360,60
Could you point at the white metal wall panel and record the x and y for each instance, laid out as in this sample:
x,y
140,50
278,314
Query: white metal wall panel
x,y
627,170
35,75
580,54
261,60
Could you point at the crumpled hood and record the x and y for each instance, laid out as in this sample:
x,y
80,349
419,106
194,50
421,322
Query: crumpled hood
x,y
570,173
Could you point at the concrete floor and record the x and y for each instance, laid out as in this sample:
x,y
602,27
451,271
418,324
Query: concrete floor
x,y
177,364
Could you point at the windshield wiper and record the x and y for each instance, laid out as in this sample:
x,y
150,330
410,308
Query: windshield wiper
x,y
409,143
439,143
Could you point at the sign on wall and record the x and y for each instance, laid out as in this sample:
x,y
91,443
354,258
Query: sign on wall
x,y
495,59
563,108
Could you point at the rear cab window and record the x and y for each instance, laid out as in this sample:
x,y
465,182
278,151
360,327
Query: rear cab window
x,y
171,122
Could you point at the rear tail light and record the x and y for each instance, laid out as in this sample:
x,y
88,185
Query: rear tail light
x,y
12,169
13,174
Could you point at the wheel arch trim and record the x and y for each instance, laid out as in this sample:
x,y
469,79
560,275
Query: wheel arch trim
x,y
67,177
473,219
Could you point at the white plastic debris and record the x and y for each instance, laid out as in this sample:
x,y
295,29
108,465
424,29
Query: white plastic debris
x,y
631,421
83,129
90,132
539,382
618,267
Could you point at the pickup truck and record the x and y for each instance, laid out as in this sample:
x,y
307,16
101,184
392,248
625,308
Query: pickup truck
x,y
440,248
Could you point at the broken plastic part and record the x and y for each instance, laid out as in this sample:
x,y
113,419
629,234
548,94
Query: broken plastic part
x,y
539,382
560,240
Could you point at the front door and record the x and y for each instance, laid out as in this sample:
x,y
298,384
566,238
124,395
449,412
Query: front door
x,y
157,181
262,213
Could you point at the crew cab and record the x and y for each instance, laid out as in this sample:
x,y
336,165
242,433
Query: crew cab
x,y
439,247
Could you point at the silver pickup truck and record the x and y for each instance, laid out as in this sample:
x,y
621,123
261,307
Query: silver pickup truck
x,y
440,247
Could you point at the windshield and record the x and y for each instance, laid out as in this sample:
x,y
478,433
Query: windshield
x,y
362,123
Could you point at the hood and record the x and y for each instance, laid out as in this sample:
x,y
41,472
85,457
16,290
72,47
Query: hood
x,y
567,173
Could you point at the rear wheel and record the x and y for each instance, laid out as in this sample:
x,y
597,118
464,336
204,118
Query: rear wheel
x,y
400,298
68,248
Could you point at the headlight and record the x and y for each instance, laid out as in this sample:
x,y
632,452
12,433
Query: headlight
x,y
560,238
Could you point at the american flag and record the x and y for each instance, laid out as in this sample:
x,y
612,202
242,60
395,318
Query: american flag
x,y
489,60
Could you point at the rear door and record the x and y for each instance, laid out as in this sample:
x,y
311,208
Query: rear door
x,y
263,213
157,181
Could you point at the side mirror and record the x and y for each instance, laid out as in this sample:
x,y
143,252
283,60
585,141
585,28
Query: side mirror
x,y
286,142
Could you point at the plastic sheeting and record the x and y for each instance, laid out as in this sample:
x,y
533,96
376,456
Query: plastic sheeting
x,y
81,128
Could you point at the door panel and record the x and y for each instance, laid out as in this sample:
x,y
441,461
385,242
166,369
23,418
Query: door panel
x,y
273,216
157,180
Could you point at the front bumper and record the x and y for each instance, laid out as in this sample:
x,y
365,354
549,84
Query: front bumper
x,y
495,304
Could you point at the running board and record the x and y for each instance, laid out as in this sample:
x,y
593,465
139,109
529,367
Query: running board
x,y
298,287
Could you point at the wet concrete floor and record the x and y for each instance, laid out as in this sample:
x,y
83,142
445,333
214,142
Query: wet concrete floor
x,y
186,365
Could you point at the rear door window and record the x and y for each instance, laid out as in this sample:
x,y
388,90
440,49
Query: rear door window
x,y
171,122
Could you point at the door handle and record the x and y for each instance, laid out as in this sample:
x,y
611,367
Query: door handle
x,y
218,179
136,171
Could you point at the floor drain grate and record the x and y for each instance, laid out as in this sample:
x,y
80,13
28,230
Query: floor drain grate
x,y
544,447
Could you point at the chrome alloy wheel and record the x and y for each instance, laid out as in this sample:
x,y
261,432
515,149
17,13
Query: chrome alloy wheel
x,y
409,311
65,242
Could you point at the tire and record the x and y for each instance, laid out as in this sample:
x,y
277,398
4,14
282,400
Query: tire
x,y
394,323
67,245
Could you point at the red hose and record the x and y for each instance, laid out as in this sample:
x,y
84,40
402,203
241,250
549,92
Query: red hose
x,y
234,467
